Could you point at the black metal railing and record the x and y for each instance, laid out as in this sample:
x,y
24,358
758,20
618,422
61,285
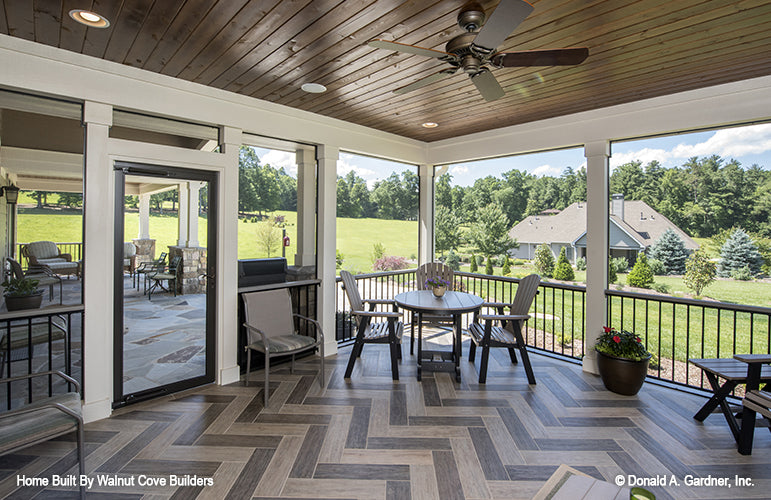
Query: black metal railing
x,y
675,330
75,249
38,341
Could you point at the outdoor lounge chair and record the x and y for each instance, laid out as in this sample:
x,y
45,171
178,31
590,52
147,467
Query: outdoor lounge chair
x,y
271,330
130,258
46,254
44,275
509,334
44,419
387,332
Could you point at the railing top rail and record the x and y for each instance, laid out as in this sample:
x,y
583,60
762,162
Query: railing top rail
x,y
57,242
506,279
380,274
37,313
692,302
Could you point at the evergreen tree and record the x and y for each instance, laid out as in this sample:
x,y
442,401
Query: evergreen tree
x,y
453,261
474,266
670,250
737,252
563,271
612,276
699,271
489,267
544,261
506,269
641,275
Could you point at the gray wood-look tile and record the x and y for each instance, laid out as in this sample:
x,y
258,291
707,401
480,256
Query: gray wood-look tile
x,y
362,471
447,478
488,456
308,455
358,430
250,476
406,443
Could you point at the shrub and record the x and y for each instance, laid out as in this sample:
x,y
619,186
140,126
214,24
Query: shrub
x,y
737,252
452,261
661,287
339,257
581,263
563,271
489,267
671,251
657,267
699,271
506,269
544,261
612,276
480,260
742,274
474,265
378,251
518,262
621,263
390,263
640,275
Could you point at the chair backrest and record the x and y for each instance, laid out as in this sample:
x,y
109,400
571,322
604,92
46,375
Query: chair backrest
x,y
41,249
352,291
434,270
129,249
528,287
270,311
16,270
161,258
175,264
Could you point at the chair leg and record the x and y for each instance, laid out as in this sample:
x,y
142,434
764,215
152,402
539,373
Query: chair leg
x,y
321,353
483,364
267,377
747,432
513,355
412,334
526,362
352,359
248,365
291,366
394,360
472,350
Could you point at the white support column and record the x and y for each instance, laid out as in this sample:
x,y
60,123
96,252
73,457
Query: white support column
x,y
597,201
426,214
98,236
327,243
193,187
182,211
144,217
227,371
306,207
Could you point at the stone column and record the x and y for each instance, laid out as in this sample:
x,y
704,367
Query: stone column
x,y
327,157
597,154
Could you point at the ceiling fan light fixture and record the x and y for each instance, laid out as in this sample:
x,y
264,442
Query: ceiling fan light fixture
x,y
429,125
313,88
91,19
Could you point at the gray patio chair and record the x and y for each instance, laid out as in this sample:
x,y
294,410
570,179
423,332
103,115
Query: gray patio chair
x,y
387,332
509,334
271,330
424,272
148,267
130,258
43,274
170,275
44,419
46,253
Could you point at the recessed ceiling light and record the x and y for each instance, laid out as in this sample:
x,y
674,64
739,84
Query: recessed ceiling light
x,y
429,125
89,18
313,88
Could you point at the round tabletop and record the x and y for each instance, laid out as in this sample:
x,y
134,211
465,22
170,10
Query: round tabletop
x,y
424,301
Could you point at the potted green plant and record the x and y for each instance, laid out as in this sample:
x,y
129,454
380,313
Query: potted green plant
x,y
622,360
437,285
22,293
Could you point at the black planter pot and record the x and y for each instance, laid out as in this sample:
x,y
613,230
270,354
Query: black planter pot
x,y
620,375
25,302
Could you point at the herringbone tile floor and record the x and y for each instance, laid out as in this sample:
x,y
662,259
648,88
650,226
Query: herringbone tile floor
x,y
371,438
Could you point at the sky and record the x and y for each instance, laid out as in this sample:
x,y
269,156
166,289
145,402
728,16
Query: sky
x,y
749,145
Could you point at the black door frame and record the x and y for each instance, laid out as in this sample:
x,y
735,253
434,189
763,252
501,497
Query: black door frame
x,y
123,168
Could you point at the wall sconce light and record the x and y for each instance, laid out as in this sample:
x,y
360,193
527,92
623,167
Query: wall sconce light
x,y
11,193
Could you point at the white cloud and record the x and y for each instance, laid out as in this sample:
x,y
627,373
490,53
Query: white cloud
x,y
544,170
458,170
278,159
345,165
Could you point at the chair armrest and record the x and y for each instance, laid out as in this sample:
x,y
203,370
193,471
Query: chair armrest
x,y
306,318
58,406
377,314
262,334
503,317
42,374
65,256
753,358
496,304
378,301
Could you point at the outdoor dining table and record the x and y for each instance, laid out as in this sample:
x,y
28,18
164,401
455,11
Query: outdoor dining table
x,y
454,304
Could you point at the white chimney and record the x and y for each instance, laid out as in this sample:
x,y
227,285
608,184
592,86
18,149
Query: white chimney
x,y
617,205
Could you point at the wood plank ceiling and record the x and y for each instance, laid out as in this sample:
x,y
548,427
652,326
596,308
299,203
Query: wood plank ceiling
x,y
268,48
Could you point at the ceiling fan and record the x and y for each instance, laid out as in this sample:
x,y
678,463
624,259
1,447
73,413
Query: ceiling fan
x,y
474,52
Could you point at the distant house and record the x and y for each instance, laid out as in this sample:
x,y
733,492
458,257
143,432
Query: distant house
x,y
634,226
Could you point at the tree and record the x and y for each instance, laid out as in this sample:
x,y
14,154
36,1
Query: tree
x,y
452,261
506,269
670,250
268,237
447,227
699,271
544,260
490,232
489,266
563,271
612,273
474,267
71,200
737,252
641,275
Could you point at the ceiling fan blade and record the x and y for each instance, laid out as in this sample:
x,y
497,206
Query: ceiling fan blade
x,y
424,81
487,85
408,49
552,57
505,19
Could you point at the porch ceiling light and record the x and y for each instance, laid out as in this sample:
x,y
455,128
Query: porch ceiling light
x,y
313,88
429,125
89,18
11,194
